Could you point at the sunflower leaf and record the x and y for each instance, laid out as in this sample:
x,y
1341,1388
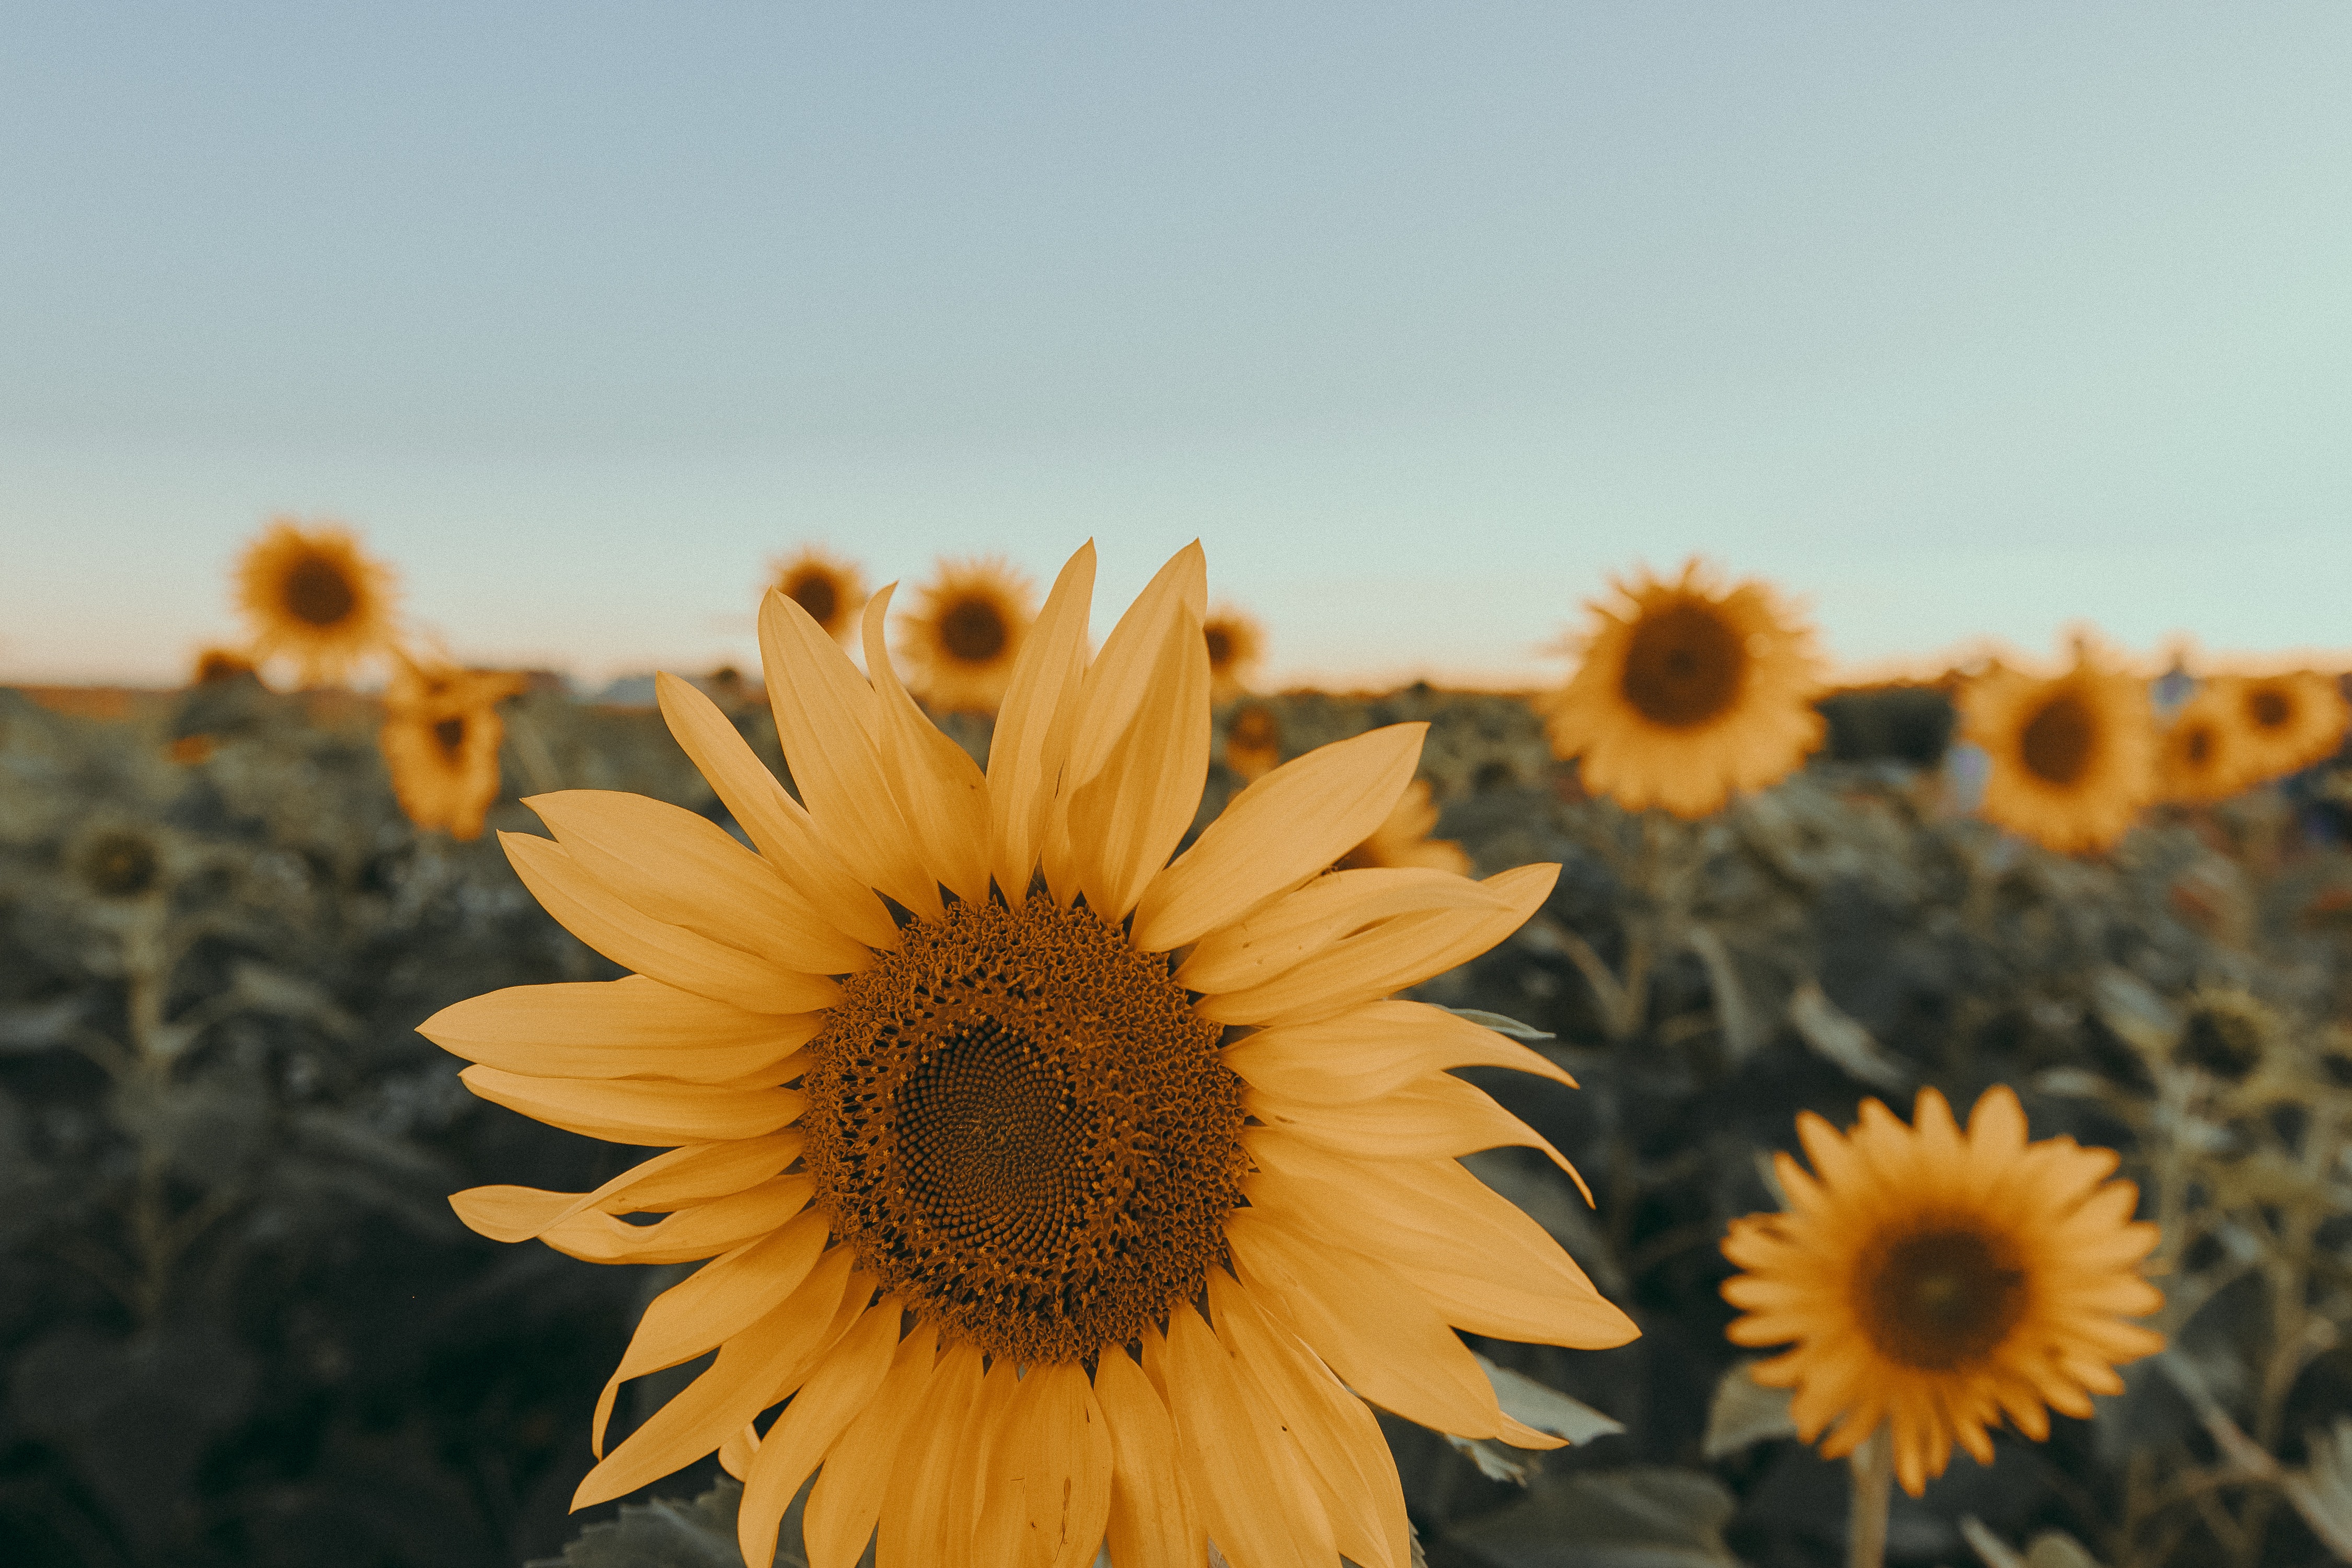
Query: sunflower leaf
x,y
1495,1461
1546,1409
1500,1023
1827,1028
669,1533
1744,1411
1640,1518
2051,1549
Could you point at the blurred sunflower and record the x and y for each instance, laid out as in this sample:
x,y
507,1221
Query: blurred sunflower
x,y
1403,838
1932,1280
830,589
1253,740
1237,644
2072,757
440,740
218,666
312,595
2288,721
1688,691
1047,1241
965,633
2201,756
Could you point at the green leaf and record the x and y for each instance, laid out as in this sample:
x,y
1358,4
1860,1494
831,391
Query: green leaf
x,y
1744,1411
668,1534
1641,1517
1546,1409
1498,1023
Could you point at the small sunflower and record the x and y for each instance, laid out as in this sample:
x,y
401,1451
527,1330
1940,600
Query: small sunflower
x,y
1403,839
1236,643
1688,691
831,589
1086,1202
218,666
2202,755
1253,740
440,740
2288,721
1932,1281
312,595
2226,1033
965,633
2072,757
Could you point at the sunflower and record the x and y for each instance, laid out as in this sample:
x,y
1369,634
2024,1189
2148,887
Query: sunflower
x,y
2073,757
1403,839
1070,1197
1933,1280
312,595
1237,644
440,740
1688,691
965,633
1253,740
2288,721
2202,755
219,666
830,589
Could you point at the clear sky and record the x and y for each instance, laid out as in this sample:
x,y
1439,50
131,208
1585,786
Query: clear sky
x,y
1955,319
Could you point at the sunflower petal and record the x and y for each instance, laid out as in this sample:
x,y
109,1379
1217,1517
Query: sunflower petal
x,y
834,1396
1376,1048
686,870
639,1111
914,1505
705,1230
1432,1115
698,1174
842,1506
1227,1471
1126,818
825,718
937,786
1310,920
1049,1469
1035,725
631,1028
1151,1522
1281,830
774,821
669,953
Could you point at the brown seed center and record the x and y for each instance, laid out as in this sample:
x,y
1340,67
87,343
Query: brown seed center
x,y
814,592
1221,646
973,631
2058,740
1683,666
1936,1300
2269,708
2197,746
319,592
449,734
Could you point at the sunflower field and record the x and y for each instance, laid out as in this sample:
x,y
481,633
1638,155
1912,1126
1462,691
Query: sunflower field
x,y
1075,1106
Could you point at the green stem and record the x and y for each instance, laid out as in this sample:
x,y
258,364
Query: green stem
x,y
1873,1465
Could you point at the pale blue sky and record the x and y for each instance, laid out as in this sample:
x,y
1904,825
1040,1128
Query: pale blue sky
x,y
1954,317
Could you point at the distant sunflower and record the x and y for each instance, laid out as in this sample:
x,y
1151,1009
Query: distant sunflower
x,y
440,740
965,633
1932,1280
831,589
2290,722
312,595
2073,757
1403,839
1688,691
2202,755
1236,643
1253,740
217,666
1043,1241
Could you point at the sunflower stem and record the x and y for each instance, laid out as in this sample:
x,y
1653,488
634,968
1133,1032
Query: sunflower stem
x,y
1873,1465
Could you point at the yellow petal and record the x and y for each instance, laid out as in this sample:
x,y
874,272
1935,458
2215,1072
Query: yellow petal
x,y
937,786
839,1517
1299,925
825,717
632,1027
1034,723
705,1230
963,1491
1366,1053
698,1174
671,954
687,870
735,1454
737,1387
1388,957
1227,1471
1126,819
839,1390
713,1304
1432,1115
1281,830
1151,1522
1478,1303
772,819
639,1111
1066,1467
914,1505
1372,1327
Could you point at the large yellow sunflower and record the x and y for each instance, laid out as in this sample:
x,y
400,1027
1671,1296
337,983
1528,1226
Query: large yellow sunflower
x,y
440,740
964,636
1688,691
1236,643
1063,1195
1403,839
2288,721
2072,757
2202,755
830,589
1933,1280
312,595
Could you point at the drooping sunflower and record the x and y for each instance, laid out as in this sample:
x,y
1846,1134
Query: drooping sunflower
x,y
1253,740
1236,643
314,597
2072,757
1403,838
440,740
2287,721
1932,1281
831,589
1084,1200
1688,691
964,636
2202,755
